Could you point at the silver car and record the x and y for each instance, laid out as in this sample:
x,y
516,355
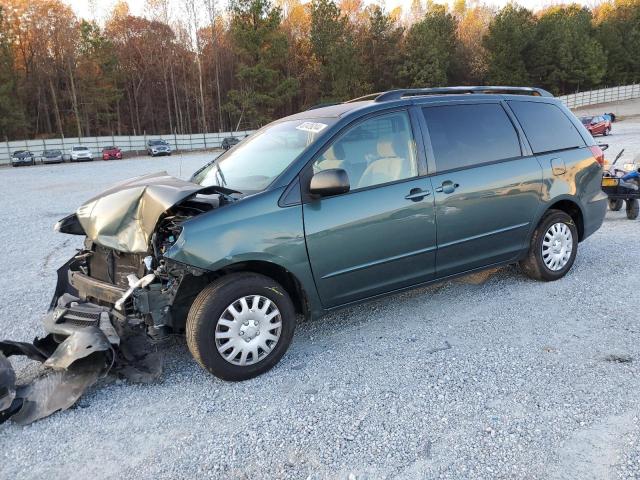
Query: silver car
x,y
158,147
52,156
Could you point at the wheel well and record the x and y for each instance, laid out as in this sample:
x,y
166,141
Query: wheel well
x,y
573,210
281,275
192,285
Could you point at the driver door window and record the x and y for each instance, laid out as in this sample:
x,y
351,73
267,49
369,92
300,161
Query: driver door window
x,y
377,151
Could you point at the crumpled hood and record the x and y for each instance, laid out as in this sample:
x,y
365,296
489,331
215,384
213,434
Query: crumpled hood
x,y
125,216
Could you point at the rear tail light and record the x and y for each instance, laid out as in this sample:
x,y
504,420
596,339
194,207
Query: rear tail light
x,y
598,154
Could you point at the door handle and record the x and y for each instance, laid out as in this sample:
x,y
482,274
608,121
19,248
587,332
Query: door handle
x,y
417,194
447,187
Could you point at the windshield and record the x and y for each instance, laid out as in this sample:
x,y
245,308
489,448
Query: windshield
x,y
19,152
157,142
80,149
52,152
586,120
253,164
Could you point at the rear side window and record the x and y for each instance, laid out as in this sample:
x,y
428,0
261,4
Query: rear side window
x,y
471,134
546,126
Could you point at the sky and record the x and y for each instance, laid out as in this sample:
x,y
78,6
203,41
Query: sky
x,y
99,9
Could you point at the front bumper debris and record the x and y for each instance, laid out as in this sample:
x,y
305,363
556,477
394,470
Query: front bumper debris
x,y
85,340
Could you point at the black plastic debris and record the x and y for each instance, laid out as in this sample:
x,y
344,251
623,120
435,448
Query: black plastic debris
x,y
83,346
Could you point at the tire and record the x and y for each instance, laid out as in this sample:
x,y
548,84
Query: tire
x,y
632,209
207,327
605,133
534,264
615,205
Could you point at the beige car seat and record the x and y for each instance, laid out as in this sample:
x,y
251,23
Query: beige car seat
x,y
333,157
394,164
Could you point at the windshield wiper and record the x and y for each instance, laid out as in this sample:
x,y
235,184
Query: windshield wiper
x,y
220,174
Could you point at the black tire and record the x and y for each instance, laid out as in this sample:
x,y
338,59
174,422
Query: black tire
x,y
632,209
605,133
533,264
615,205
209,306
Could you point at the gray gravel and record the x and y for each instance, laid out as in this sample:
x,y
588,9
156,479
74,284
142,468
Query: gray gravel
x,y
489,376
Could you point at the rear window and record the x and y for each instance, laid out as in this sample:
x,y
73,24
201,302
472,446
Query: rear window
x,y
471,134
546,126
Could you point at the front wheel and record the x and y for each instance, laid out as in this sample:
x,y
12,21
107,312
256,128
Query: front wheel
x,y
553,247
240,326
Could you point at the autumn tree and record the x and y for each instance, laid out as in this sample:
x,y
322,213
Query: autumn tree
x,y
470,62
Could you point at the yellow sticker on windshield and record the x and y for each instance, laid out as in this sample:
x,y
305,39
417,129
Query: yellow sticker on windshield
x,y
313,127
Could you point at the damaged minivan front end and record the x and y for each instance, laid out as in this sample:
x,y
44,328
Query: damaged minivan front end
x,y
116,297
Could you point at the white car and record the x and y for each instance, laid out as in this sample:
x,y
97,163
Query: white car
x,y
81,154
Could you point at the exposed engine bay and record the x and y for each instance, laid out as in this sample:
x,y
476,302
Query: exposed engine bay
x,y
116,298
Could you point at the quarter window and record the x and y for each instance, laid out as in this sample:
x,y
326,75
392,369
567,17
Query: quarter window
x,y
546,126
470,134
376,151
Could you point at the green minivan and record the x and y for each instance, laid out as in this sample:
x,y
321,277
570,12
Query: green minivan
x,y
332,206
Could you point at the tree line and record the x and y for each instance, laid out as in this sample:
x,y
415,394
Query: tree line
x,y
204,69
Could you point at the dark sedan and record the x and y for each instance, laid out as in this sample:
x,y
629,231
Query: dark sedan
x,y
229,142
22,157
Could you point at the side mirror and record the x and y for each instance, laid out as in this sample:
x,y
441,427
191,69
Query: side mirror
x,y
329,182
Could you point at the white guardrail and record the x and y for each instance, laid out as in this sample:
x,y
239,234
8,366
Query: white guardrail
x,y
136,144
200,141
602,95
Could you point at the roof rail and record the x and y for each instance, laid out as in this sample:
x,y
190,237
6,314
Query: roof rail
x,y
370,96
322,105
412,92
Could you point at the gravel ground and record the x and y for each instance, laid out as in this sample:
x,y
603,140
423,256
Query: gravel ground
x,y
489,376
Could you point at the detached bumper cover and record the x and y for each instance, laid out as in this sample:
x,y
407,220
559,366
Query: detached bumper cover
x,y
85,340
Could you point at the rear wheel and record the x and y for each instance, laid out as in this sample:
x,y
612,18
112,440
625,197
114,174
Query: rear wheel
x,y
240,326
553,247
632,209
615,205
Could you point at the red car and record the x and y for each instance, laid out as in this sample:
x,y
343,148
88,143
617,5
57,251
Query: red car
x,y
110,153
598,125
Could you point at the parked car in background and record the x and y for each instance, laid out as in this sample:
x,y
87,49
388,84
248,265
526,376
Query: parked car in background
x,y
158,147
52,156
229,142
335,206
111,153
81,153
22,157
597,125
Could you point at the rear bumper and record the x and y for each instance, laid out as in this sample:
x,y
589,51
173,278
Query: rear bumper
x,y
594,213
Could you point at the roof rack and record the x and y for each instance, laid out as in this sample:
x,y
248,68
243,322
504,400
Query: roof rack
x,y
412,92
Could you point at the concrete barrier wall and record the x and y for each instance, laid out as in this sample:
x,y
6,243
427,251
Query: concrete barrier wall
x,y
126,143
602,95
